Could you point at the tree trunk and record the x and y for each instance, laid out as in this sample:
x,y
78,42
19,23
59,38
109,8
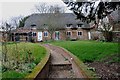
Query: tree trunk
x,y
108,36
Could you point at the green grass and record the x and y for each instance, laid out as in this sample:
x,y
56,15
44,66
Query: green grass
x,y
89,51
13,74
22,50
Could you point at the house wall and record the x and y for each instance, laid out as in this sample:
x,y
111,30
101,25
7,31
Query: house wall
x,y
116,36
62,35
74,34
47,37
84,34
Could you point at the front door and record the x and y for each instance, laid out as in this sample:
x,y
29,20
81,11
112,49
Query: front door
x,y
39,36
57,35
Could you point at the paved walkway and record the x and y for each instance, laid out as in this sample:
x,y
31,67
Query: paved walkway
x,y
60,57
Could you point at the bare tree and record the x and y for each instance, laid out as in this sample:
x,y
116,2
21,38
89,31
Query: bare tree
x,y
6,27
47,8
53,24
56,9
52,20
52,16
15,21
42,8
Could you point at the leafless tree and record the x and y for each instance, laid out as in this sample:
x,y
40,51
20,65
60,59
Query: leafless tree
x,y
8,26
56,9
6,29
47,8
53,24
42,8
106,28
15,21
52,19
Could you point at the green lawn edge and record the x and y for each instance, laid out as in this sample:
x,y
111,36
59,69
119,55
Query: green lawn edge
x,y
40,66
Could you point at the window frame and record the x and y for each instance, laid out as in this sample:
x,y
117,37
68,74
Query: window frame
x,y
34,34
79,25
80,33
45,33
70,25
69,32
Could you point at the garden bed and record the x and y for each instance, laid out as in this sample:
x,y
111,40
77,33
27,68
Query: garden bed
x,y
20,59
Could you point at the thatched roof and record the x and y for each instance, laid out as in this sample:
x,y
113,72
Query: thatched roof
x,y
58,19
116,15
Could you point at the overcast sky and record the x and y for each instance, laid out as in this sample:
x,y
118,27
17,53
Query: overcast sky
x,y
13,8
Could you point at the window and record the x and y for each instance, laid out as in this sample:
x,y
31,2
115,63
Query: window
x,y
69,25
79,25
34,34
46,34
68,33
79,33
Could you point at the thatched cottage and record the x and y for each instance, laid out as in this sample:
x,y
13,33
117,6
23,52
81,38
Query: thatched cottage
x,y
57,26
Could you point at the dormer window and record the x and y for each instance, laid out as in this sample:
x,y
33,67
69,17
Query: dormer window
x,y
68,25
79,25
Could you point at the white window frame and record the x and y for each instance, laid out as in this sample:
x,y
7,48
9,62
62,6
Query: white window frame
x,y
81,33
45,32
70,33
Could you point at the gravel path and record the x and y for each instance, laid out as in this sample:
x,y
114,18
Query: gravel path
x,y
62,66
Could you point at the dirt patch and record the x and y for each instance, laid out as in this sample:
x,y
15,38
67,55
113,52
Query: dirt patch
x,y
106,68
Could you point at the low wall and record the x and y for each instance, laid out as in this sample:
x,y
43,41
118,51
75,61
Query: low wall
x,y
44,72
42,69
61,67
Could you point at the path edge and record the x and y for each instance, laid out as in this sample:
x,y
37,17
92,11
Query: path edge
x,y
37,70
87,73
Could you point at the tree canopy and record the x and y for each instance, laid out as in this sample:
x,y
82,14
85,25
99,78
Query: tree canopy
x,y
92,10
22,21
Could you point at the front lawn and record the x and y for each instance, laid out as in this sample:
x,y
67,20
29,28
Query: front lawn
x,y
21,58
89,51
